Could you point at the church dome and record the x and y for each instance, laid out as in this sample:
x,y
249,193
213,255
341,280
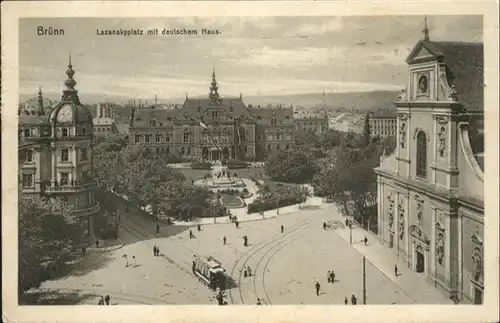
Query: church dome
x,y
70,110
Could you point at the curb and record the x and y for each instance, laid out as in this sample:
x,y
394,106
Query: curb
x,y
106,249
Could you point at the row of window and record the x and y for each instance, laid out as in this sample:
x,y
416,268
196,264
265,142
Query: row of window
x,y
158,138
384,133
99,129
28,179
28,155
64,132
278,147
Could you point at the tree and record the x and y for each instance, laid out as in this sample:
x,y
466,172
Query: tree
x,y
291,166
48,233
366,131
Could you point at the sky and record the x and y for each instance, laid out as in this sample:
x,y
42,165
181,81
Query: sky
x,y
252,56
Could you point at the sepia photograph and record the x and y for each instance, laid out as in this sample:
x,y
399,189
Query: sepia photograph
x,y
251,160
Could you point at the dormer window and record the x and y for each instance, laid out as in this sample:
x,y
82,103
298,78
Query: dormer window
x,y
65,132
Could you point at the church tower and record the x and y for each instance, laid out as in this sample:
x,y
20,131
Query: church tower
x,y
214,94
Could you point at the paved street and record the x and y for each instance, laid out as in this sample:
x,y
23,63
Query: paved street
x,y
284,266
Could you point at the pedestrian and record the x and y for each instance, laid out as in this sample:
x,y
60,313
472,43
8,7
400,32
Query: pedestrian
x,y
346,222
332,275
282,228
194,266
191,235
101,301
245,273
396,270
353,299
133,261
245,239
84,251
157,251
224,240
346,301
249,272
329,276
199,227
366,240
324,225
237,224
126,260
318,286
107,299
154,250
259,302
158,228
97,243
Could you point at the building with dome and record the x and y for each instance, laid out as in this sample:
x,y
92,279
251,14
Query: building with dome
x,y
430,190
56,154
213,129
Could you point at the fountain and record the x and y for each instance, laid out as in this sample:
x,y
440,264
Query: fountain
x,y
221,179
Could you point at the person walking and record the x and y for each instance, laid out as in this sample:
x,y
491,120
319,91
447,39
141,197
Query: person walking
x,y
249,270
346,222
318,286
194,266
353,300
199,227
107,299
282,228
154,250
396,270
329,276
346,301
366,241
324,225
237,224
133,261
245,241
224,241
332,275
157,251
191,235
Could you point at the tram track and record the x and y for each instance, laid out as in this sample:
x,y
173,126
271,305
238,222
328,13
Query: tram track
x,y
272,253
270,243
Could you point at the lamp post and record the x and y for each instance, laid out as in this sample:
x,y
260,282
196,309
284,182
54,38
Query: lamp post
x,y
364,281
350,232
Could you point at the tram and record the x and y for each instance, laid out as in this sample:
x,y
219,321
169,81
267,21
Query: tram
x,y
209,270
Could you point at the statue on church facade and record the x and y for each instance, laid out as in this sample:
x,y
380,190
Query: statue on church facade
x,y
440,248
441,141
391,211
402,134
419,211
477,259
401,222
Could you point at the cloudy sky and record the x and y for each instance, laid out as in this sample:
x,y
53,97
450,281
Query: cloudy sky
x,y
255,56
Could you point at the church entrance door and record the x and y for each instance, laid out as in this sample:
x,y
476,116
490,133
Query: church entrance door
x,y
420,261
215,155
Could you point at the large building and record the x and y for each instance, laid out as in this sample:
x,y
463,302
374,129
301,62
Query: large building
x,y
214,129
431,188
310,122
382,124
56,152
104,122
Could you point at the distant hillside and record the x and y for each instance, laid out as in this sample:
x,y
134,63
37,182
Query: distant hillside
x,y
361,101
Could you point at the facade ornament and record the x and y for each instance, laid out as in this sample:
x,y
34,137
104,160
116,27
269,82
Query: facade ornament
x,y
402,134
440,248
401,222
390,198
420,204
442,141
453,95
403,95
477,259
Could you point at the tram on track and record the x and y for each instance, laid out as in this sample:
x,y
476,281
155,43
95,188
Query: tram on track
x,y
210,271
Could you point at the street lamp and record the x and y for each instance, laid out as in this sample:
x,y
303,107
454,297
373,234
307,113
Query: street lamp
x,y
350,232
364,281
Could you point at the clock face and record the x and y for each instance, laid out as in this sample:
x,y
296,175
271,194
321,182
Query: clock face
x,y
65,114
422,84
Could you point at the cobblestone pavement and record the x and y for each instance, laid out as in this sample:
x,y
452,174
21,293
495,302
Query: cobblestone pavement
x,y
285,266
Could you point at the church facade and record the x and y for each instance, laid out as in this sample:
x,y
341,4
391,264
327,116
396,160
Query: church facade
x,y
213,129
430,190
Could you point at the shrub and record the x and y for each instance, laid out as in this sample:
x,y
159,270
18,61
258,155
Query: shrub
x,y
201,165
269,204
236,164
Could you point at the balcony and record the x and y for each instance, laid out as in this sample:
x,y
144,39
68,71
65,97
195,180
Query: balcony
x,y
88,211
70,187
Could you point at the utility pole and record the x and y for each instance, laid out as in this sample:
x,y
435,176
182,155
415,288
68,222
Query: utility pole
x,y
350,232
364,281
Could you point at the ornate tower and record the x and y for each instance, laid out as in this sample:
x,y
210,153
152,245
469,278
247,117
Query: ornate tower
x,y
41,110
214,94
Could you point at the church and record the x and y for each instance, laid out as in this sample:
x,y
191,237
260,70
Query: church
x,y
430,189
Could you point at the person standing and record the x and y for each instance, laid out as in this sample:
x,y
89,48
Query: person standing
x,y
107,299
396,270
324,225
318,286
194,266
259,302
237,224
84,251
133,261
224,241
191,235
346,301
353,300
157,251
154,250
245,241
101,301
329,276
333,277
366,240
282,228
249,270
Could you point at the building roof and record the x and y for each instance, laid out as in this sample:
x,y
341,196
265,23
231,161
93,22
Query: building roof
x,y
384,115
264,115
305,114
198,107
464,62
142,117
33,119
123,128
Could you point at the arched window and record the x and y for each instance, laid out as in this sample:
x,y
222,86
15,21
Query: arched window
x,y
137,137
421,154
65,132
186,136
158,138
